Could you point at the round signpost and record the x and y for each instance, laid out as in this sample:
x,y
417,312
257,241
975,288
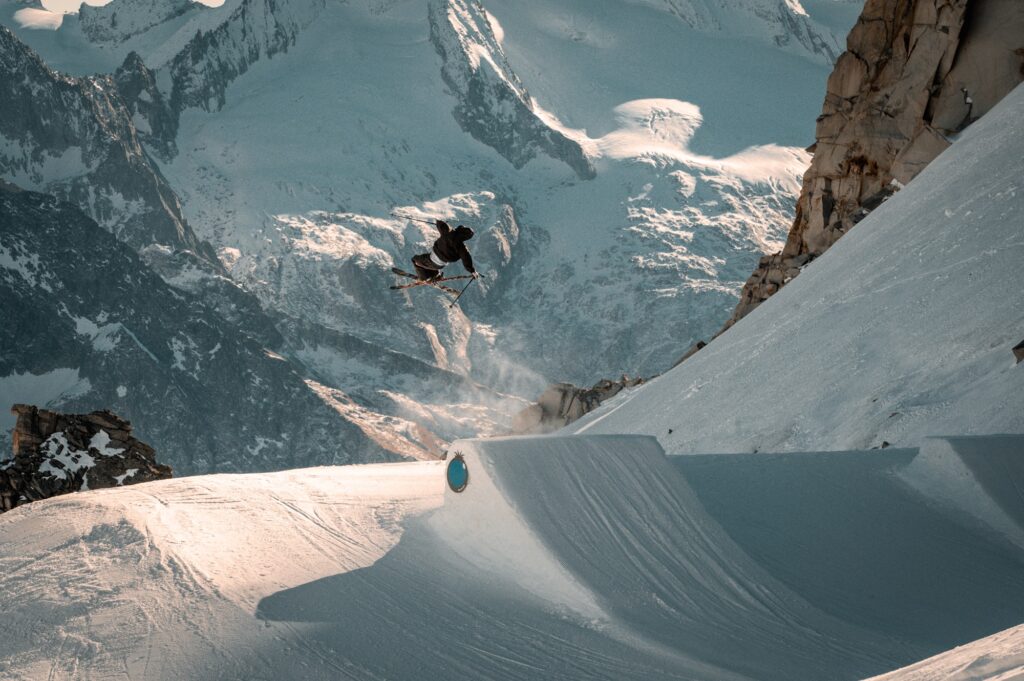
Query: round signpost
x,y
458,473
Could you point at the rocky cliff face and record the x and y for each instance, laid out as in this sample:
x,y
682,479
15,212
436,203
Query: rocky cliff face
x,y
563,403
915,73
60,453
493,104
87,322
254,30
122,19
75,138
156,124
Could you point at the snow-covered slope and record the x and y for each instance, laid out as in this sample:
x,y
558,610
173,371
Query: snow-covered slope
x,y
782,22
163,582
474,591
899,332
564,558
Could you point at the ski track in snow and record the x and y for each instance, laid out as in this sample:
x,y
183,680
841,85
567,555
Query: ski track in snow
x,y
565,558
163,581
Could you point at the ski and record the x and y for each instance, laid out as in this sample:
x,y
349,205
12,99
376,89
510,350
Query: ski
x,y
424,282
403,273
446,289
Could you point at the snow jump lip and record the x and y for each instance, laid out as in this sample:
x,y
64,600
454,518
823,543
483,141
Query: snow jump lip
x,y
604,529
568,558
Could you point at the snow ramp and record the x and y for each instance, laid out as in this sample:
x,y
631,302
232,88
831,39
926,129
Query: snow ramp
x,y
574,557
921,545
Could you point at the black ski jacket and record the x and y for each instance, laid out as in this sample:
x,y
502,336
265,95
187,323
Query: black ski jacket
x,y
452,244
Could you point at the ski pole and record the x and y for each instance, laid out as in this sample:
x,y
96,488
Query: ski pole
x,y
461,292
409,217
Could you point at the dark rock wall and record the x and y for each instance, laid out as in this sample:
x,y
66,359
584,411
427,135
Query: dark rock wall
x,y
58,453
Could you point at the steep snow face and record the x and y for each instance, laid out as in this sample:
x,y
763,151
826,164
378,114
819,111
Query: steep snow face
x,y
248,31
894,334
119,20
942,573
605,530
494,106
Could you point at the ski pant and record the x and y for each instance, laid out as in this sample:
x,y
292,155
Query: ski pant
x,y
425,266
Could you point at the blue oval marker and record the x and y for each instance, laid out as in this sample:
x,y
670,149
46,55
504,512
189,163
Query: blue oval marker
x,y
458,474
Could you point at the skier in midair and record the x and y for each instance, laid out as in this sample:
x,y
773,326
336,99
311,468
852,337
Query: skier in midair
x,y
449,247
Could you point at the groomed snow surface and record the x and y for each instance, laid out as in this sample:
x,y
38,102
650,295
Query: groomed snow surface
x,y
584,557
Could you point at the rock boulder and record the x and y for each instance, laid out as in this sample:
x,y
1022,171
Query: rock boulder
x,y
563,403
58,453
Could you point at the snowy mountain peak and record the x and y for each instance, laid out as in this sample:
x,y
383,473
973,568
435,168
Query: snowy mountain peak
x,y
213,58
75,138
784,23
121,19
493,104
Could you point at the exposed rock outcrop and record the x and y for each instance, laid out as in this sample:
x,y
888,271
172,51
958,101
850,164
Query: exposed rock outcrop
x,y
563,403
914,73
58,453
156,124
493,104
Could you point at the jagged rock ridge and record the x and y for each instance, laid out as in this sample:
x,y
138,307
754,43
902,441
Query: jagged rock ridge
x,y
74,138
915,72
60,453
784,22
494,105
209,396
255,29
119,20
